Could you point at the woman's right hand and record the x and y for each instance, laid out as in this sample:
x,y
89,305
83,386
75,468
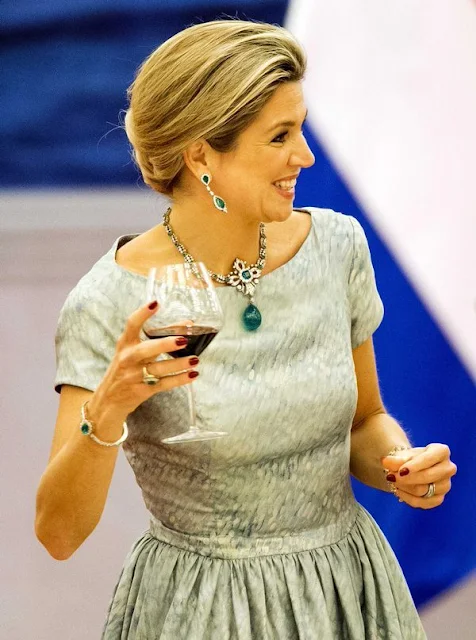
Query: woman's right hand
x,y
122,389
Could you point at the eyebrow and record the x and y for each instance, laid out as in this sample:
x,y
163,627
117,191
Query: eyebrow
x,y
285,123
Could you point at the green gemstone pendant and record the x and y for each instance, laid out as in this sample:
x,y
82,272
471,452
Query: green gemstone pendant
x,y
251,318
219,204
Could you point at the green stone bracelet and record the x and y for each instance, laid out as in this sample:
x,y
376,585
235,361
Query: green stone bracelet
x,y
86,427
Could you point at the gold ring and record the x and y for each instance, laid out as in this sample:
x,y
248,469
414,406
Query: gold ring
x,y
148,378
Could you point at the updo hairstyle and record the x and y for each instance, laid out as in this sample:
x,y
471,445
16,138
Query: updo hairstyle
x,y
208,81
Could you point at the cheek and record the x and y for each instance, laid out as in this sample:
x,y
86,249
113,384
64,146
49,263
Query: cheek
x,y
253,174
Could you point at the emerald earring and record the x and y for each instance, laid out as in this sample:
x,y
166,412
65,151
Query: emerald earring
x,y
219,203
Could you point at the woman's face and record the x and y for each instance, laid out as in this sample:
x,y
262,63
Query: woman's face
x,y
258,177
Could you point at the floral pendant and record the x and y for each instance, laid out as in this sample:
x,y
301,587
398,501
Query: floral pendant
x,y
245,280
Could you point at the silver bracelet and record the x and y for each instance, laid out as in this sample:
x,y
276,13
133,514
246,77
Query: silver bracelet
x,y
86,427
392,452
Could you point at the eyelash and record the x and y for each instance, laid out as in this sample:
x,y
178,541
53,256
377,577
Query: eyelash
x,y
281,135
284,133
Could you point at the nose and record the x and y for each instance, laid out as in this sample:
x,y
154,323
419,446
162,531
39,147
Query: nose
x,y
302,155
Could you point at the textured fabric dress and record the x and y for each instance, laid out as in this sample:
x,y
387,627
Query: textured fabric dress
x,y
257,535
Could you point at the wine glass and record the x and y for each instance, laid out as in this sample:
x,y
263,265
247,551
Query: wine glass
x,y
188,306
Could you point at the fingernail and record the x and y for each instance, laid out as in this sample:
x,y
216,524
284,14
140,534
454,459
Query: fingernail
x,y
153,305
193,374
181,342
404,471
193,361
391,477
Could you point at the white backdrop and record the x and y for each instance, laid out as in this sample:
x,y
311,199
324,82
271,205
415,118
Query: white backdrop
x,y
391,91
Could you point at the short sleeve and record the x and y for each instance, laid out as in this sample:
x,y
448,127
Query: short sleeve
x,y
85,339
366,307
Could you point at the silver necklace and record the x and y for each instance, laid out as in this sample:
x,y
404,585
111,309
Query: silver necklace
x,y
243,277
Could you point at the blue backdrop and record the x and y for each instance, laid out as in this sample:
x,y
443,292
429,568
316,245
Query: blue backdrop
x,y
65,70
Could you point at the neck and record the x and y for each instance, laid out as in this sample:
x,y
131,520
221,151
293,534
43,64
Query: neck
x,y
213,237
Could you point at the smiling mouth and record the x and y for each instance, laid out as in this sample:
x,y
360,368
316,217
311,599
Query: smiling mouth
x,y
285,185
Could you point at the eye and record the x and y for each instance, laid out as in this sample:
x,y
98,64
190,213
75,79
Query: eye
x,y
280,137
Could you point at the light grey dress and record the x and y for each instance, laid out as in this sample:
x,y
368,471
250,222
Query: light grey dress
x,y
256,536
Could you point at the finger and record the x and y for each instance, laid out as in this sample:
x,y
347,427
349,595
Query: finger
x,y
394,463
149,350
168,367
419,490
170,382
439,472
417,502
131,333
429,457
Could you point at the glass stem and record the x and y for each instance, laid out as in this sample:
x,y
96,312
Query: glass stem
x,y
191,406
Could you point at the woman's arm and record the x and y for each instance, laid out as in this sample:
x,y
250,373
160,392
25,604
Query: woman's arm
x,y
73,490
374,432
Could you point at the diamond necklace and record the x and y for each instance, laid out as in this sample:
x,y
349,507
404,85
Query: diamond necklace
x,y
244,278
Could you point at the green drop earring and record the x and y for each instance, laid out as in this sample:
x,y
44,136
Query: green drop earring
x,y
219,203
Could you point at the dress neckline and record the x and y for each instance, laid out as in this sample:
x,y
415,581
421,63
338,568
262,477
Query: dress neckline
x,y
119,242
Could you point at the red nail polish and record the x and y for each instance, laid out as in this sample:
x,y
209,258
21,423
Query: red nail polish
x,y
181,342
193,361
404,471
193,374
391,477
153,305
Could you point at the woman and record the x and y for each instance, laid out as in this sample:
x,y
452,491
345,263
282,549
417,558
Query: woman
x,y
256,535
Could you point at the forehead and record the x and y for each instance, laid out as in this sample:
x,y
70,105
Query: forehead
x,y
286,103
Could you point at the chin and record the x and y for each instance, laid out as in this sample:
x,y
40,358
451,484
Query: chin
x,y
279,214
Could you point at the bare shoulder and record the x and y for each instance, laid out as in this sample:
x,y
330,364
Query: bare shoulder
x,y
145,251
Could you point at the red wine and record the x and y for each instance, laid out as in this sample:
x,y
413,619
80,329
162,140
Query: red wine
x,y
198,338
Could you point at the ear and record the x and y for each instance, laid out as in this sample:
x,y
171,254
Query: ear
x,y
197,158
128,126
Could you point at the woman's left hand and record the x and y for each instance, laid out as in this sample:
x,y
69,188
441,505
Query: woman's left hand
x,y
412,471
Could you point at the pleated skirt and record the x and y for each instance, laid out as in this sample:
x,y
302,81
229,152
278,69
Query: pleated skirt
x,y
350,589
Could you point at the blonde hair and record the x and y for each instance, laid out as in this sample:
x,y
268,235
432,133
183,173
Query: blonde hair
x,y
208,81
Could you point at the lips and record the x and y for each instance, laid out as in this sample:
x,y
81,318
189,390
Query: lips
x,y
285,193
285,185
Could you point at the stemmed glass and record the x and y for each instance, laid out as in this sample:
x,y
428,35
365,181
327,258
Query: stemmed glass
x,y
188,306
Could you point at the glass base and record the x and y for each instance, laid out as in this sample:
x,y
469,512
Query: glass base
x,y
195,435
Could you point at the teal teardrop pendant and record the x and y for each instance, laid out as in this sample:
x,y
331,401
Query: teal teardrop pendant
x,y
251,318
220,204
